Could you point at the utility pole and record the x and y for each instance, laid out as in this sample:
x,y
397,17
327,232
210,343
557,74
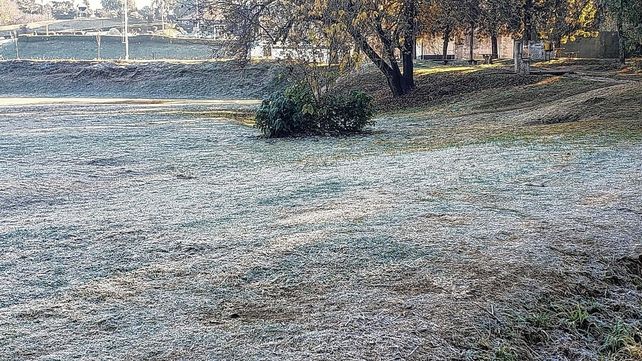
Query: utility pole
x,y
98,42
163,16
126,33
198,19
15,41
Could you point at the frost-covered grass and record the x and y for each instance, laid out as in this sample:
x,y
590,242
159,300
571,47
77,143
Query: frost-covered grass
x,y
140,79
156,231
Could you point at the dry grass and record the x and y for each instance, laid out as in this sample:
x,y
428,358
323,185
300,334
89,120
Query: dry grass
x,y
489,86
435,84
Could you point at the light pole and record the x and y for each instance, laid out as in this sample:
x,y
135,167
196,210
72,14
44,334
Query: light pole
x,y
198,19
14,35
163,16
98,42
126,33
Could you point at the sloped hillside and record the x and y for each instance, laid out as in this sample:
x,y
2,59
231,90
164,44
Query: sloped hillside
x,y
217,80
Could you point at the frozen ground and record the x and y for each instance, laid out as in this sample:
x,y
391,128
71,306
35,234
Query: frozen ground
x,y
149,230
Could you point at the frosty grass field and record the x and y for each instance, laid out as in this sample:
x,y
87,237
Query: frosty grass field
x,y
150,230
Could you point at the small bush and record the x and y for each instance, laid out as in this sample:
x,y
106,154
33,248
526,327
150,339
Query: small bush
x,y
296,112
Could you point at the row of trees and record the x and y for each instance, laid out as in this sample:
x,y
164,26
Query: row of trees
x,y
22,11
117,6
25,11
385,30
156,10
627,16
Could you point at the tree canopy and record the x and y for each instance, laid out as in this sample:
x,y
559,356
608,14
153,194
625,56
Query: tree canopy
x,y
385,31
117,5
627,16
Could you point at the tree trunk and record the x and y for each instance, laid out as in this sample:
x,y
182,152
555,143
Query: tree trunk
x,y
395,77
494,46
560,10
395,83
408,72
408,79
528,21
620,35
391,71
446,41
472,43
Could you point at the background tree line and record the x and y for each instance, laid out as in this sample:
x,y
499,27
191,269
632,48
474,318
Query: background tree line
x,y
385,31
22,11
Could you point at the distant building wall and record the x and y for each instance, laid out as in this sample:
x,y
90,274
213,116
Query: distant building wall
x,y
484,46
605,45
433,46
459,48
281,52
